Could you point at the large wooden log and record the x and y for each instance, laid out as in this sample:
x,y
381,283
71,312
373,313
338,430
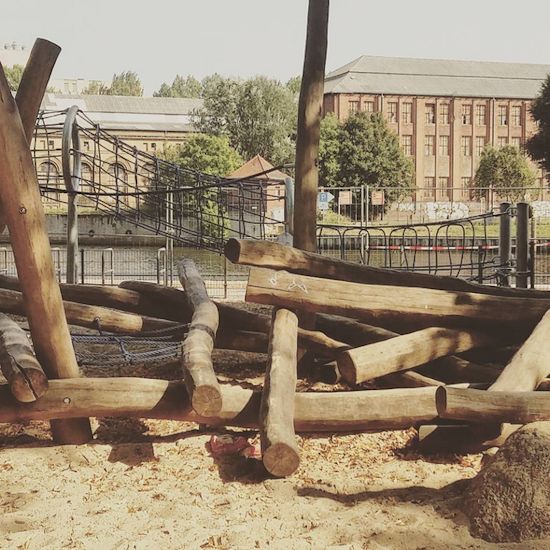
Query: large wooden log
x,y
232,317
20,197
107,319
242,340
198,370
19,366
480,406
280,453
406,352
276,256
147,398
377,303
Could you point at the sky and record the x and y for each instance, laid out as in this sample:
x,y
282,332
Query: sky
x,y
242,38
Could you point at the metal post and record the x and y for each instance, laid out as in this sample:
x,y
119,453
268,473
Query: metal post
x,y
505,242
522,244
289,207
225,277
480,264
532,262
82,266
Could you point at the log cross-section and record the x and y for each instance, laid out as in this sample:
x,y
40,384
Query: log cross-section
x,y
279,449
19,366
198,371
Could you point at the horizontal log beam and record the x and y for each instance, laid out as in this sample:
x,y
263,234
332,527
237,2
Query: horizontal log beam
x,y
497,406
378,303
148,398
276,256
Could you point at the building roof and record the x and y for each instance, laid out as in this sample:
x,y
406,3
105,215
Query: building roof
x,y
256,165
165,114
437,77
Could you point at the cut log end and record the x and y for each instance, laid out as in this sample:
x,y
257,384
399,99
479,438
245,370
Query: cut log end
x,y
207,400
347,368
28,386
71,431
232,250
281,459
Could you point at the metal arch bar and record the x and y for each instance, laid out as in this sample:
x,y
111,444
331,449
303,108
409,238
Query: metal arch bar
x,y
71,139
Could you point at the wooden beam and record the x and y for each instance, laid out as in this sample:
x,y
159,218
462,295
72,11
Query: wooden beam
x,y
148,398
272,255
242,340
20,197
198,370
377,303
492,407
280,453
406,352
19,366
310,108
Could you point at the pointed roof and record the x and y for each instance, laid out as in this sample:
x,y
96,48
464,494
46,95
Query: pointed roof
x,y
256,165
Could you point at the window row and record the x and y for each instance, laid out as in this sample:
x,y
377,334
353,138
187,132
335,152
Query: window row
x,y
465,145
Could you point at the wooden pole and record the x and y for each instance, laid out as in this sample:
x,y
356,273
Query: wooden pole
x,y
19,366
26,221
276,256
406,352
522,244
381,305
148,398
280,453
310,107
198,370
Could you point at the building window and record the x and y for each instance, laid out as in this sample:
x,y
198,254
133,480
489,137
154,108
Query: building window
x,y
406,113
467,114
392,111
153,146
480,145
354,106
503,115
516,142
86,145
146,147
443,146
516,115
430,113
444,189
429,187
466,183
444,113
502,141
466,146
406,142
51,144
369,106
429,146
481,115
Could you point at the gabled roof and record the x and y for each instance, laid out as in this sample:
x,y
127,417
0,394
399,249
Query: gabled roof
x,y
256,165
437,77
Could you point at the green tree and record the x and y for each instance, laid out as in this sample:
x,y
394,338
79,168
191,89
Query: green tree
x,y
329,151
95,87
13,75
126,83
538,146
370,154
258,115
294,84
506,171
180,87
205,153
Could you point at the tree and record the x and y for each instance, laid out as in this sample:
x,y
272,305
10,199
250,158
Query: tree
x,y
180,87
538,146
329,151
126,83
13,76
506,171
258,115
204,153
293,84
95,87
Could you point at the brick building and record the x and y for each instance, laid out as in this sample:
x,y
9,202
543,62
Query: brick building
x,y
444,112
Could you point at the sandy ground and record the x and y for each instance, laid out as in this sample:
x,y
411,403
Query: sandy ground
x,y
155,484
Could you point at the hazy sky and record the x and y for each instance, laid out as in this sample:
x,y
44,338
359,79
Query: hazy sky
x,y
160,38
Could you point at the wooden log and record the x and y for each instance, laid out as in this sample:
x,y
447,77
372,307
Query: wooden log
x,y
198,370
509,317
275,256
147,398
20,197
232,317
280,453
19,366
479,406
406,352
109,320
455,370
242,340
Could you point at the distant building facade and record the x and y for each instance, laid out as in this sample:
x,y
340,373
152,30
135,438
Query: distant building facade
x,y
444,112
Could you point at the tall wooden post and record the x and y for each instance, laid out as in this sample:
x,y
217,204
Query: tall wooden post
x,y
522,244
20,196
505,242
309,124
